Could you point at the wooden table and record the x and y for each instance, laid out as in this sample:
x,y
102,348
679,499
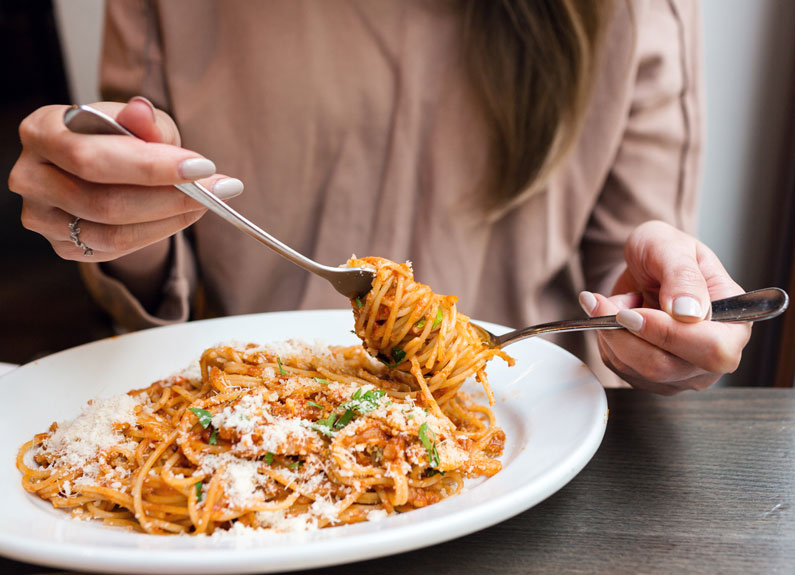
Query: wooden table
x,y
697,483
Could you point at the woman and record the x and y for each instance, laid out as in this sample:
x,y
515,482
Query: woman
x,y
516,152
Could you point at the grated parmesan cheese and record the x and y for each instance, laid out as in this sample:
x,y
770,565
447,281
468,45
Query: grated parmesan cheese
x,y
77,443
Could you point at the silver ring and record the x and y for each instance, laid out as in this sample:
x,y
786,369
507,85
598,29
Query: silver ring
x,y
75,237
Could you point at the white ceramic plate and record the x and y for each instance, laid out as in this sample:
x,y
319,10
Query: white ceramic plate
x,y
552,408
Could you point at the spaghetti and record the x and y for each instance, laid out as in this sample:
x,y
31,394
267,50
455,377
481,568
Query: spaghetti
x,y
415,331
286,437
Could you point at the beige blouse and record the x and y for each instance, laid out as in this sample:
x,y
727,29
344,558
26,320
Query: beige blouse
x,y
354,130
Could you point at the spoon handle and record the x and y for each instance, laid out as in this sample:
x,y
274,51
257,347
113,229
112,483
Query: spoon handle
x,y
752,306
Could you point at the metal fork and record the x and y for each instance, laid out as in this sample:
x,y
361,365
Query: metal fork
x,y
752,306
350,282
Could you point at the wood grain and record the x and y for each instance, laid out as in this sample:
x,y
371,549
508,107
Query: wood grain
x,y
697,483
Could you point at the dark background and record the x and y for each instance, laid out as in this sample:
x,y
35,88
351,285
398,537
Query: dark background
x,y
43,305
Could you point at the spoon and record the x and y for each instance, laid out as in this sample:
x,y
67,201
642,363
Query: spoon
x,y
752,306
350,282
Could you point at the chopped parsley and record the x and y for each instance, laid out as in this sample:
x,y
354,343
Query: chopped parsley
x,y
438,319
420,323
364,402
428,439
398,354
315,405
198,487
205,417
320,380
282,371
361,402
213,437
345,419
359,302
295,464
269,458
325,426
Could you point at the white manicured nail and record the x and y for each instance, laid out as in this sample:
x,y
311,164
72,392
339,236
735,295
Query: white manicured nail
x,y
196,168
630,319
228,188
686,306
587,302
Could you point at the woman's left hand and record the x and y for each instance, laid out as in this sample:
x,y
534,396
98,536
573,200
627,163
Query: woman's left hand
x,y
662,298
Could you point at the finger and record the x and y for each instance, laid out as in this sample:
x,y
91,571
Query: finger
x,y
110,159
141,117
53,224
635,356
589,303
712,346
697,381
67,250
631,376
659,254
625,283
112,204
719,282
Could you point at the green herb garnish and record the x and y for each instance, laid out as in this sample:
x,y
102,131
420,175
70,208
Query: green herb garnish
x,y
438,319
359,302
420,323
398,355
320,380
345,419
269,458
198,487
364,402
315,405
428,438
205,417
282,371
213,437
325,426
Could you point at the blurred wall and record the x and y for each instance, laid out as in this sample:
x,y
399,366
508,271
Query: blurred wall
x,y
749,60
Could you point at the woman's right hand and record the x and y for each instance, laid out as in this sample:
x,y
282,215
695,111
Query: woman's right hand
x,y
120,187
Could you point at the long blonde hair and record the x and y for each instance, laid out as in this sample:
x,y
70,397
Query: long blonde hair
x,y
531,63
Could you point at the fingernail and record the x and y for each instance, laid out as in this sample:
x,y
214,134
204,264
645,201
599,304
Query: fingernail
x,y
630,319
196,168
686,306
145,101
228,188
587,301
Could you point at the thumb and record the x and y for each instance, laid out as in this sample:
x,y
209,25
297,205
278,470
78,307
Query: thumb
x,y
142,119
667,256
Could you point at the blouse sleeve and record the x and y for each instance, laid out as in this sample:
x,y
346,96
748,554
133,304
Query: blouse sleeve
x,y
132,64
655,174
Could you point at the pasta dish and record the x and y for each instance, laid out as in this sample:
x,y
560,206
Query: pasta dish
x,y
287,436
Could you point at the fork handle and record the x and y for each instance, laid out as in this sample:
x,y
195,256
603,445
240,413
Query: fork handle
x,y
88,120
751,306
